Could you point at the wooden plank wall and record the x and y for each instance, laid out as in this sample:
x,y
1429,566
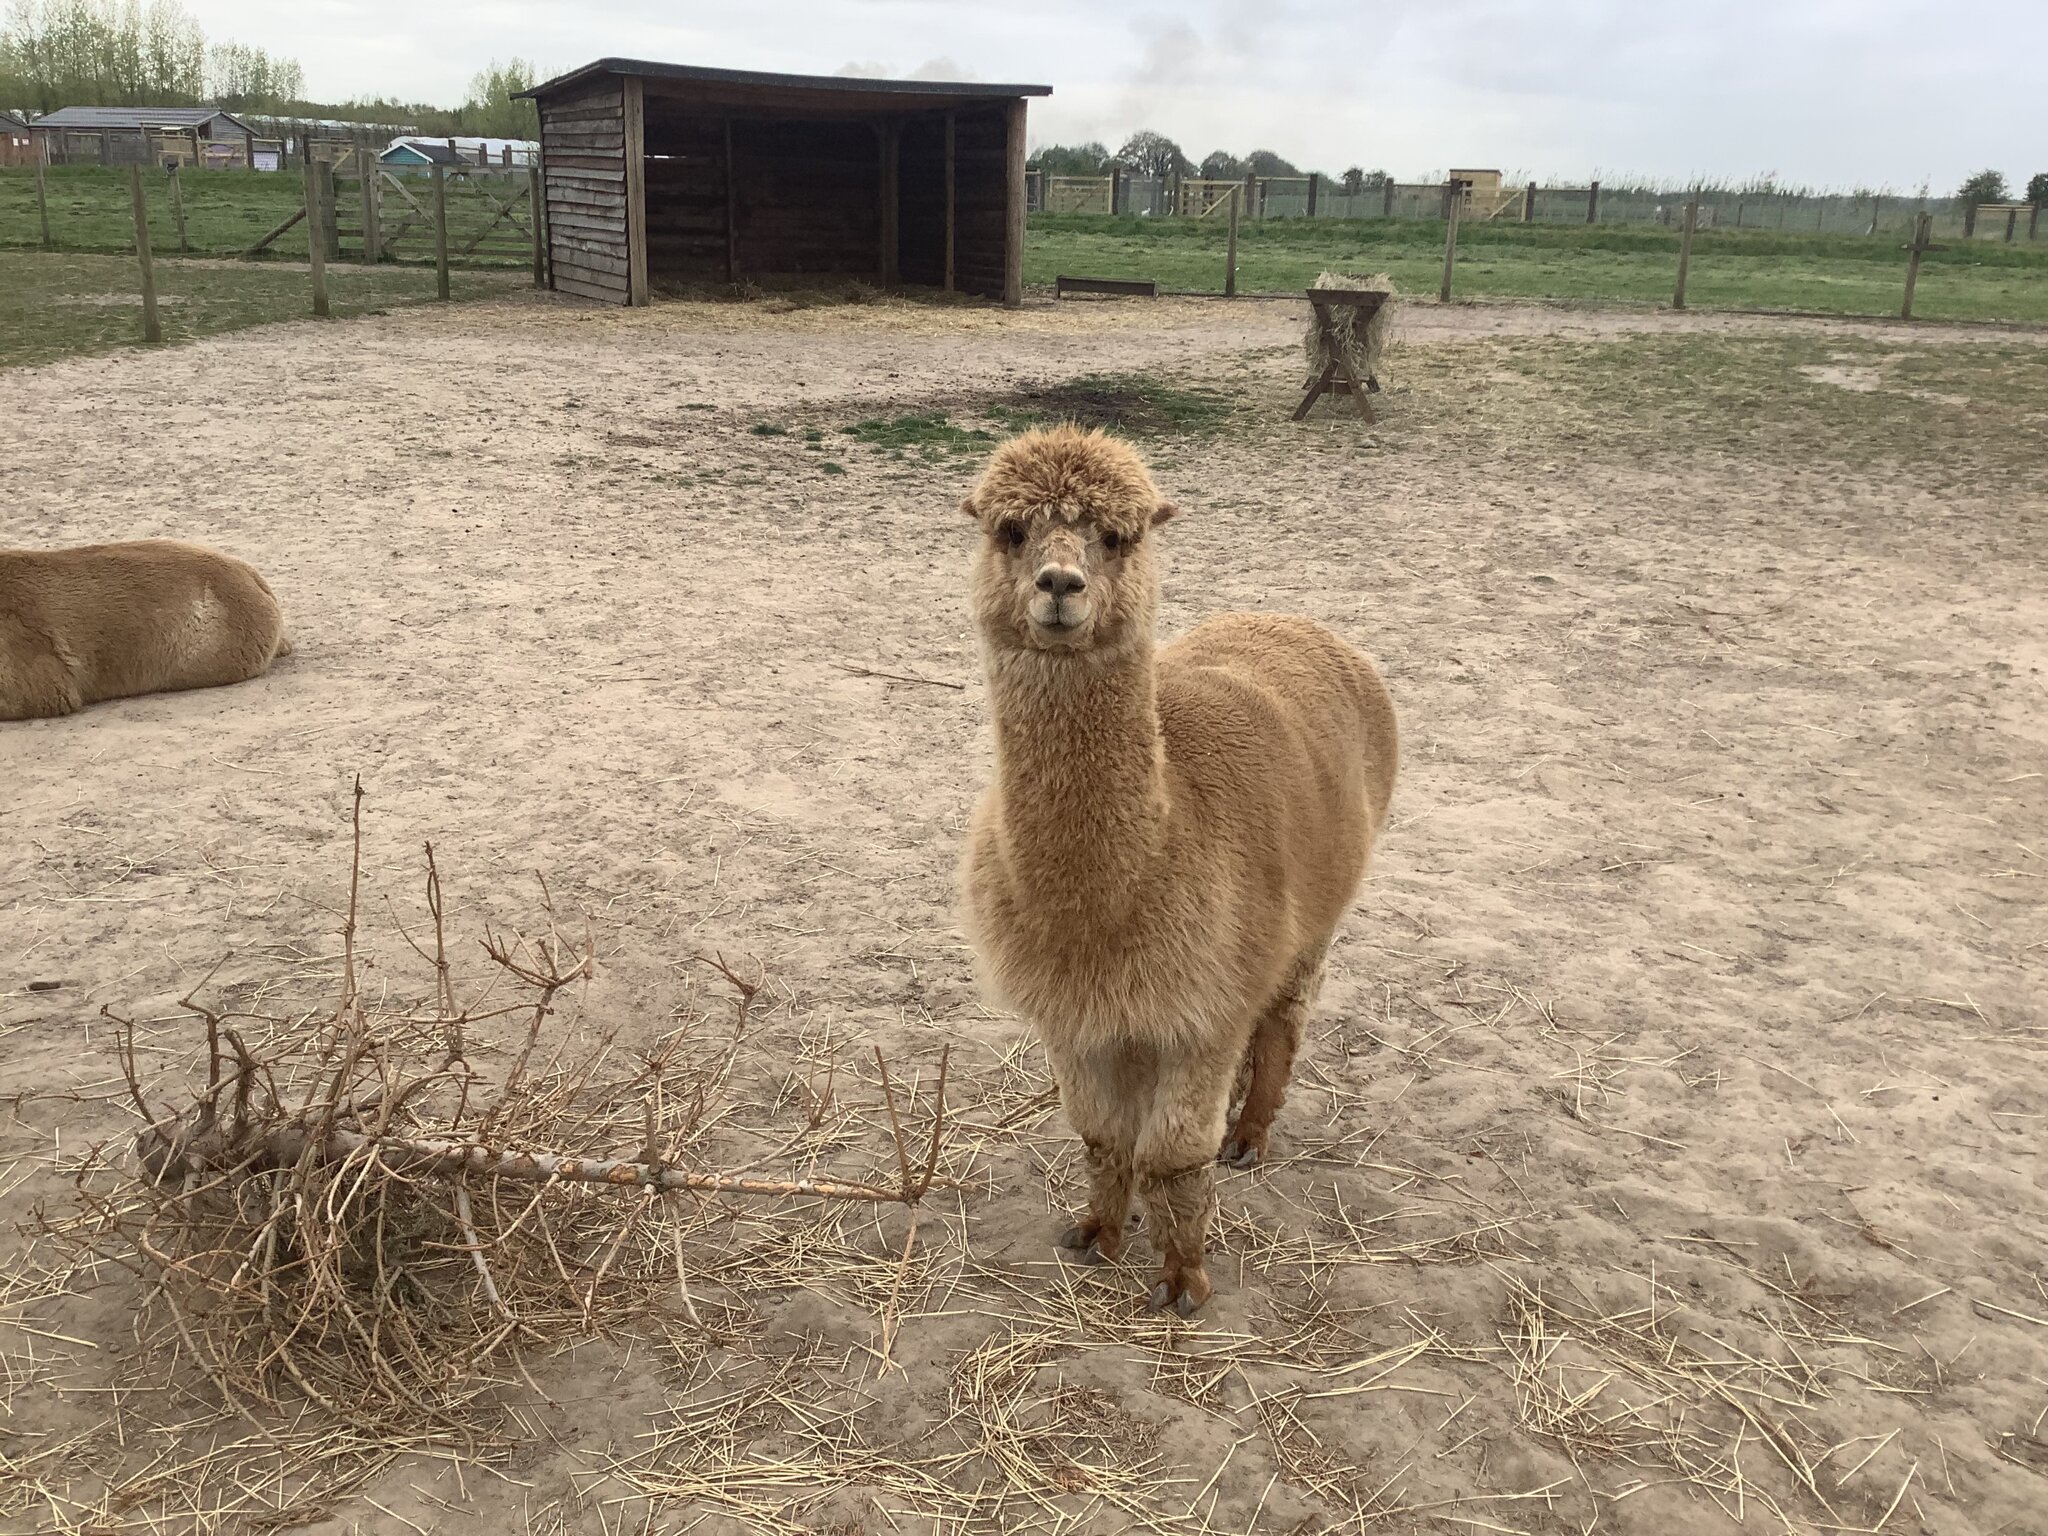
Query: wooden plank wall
x,y
982,162
582,135
809,197
686,200
921,202
804,195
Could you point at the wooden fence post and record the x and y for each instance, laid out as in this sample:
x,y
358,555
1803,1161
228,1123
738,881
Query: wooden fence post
x,y
1529,204
1451,202
330,226
440,231
1251,195
1692,215
2033,223
178,207
2012,224
1230,251
41,205
1014,222
1969,220
1116,186
1923,225
316,238
1313,178
1876,203
1593,203
152,330
1387,198
372,220
534,197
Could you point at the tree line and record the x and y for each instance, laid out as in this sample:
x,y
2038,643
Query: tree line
x,y
123,53
153,53
1153,156
1990,187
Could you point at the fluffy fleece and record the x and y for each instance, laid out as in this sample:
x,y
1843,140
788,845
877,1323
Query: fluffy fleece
x,y
111,620
1171,839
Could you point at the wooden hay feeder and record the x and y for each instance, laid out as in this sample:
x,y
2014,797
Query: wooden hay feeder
x,y
1333,308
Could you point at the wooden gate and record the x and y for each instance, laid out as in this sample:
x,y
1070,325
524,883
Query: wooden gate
x,y
489,212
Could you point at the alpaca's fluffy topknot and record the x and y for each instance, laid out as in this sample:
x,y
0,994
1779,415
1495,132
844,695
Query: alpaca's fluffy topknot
x,y
1070,473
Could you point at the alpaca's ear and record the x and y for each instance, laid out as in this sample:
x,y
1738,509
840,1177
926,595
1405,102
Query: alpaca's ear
x,y
969,508
1165,512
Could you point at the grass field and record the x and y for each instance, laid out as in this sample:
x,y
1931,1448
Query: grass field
x,y
1754,270
226,212
54,306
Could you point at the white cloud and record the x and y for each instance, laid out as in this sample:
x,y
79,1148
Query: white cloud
x,y
1830,92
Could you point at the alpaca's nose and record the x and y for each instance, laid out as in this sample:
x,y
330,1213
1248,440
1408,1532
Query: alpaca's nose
x,y
1061,580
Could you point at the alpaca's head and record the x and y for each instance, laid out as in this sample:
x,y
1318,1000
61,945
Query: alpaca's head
x,y
1064,562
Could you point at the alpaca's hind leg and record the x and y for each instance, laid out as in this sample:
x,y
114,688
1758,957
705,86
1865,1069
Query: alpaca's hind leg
x,y
1173,1160
1271,1061
1097,1095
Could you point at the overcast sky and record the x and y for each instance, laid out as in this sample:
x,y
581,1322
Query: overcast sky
x,y
1884,93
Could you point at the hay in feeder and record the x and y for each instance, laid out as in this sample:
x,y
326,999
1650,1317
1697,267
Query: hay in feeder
x,y
1364,346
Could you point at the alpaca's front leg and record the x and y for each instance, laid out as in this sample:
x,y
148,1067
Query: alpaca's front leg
x,y
1270,1061
1098,1095
1175,1151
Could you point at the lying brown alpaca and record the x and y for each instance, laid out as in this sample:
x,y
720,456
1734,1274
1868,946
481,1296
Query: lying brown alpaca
x,y
1170,841
110,620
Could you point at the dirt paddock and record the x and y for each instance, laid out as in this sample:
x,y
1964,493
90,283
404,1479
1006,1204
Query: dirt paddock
x,y
1668,1152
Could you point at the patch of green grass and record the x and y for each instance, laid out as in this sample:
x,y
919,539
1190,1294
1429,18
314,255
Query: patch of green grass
x,y
1133,404
1743,269
1800,402
57,306
768,429
831,468
930,434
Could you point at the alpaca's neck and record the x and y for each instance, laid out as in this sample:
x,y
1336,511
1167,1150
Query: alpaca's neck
x,y
1080,772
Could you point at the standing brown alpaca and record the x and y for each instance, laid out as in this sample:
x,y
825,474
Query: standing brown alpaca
x,y
110,620
1171,839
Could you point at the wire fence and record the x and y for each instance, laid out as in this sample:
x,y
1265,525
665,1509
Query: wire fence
x,y
1296,197
1697,258
486,210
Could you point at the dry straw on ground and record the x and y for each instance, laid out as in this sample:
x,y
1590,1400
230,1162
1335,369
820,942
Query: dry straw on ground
x,y
372,1229
353,1241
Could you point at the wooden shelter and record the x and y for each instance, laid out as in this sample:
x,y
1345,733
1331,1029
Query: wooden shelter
x,y
659,171
16,147
197,136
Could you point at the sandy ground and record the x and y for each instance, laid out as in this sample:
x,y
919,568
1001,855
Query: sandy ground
x,y
1668,1153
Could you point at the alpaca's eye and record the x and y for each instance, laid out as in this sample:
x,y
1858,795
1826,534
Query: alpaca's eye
x,y
1012,534
1112,542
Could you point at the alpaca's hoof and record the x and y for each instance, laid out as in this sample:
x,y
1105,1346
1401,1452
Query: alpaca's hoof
x,y
1079,1246
1238,1154
1083,1243
1162,1297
